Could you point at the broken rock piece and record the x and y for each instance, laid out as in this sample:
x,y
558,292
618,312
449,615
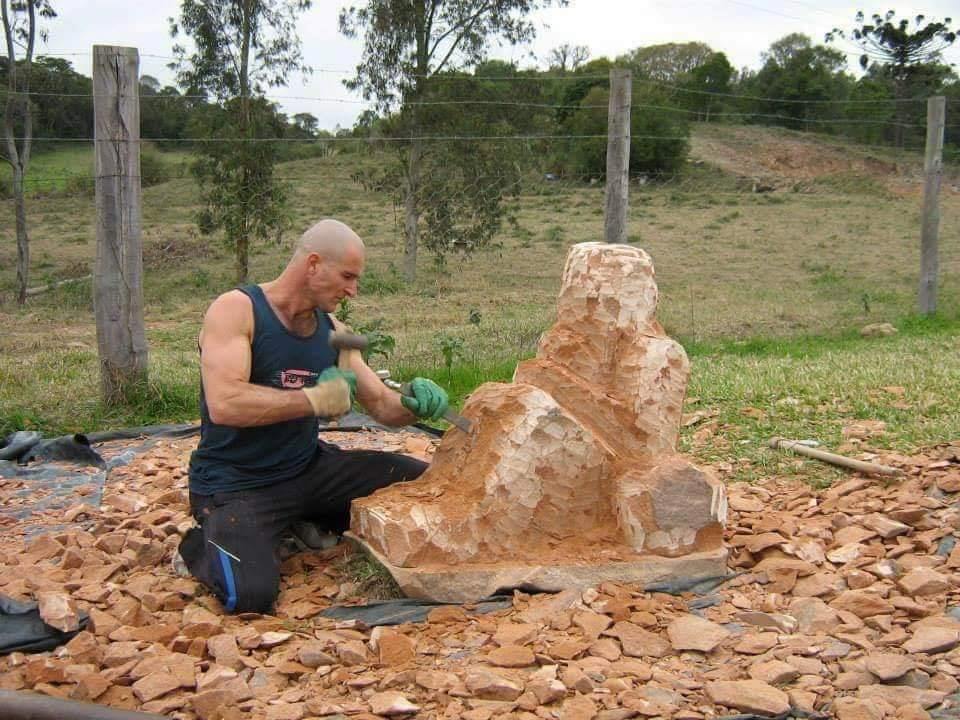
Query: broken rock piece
x,y
570,477
58,610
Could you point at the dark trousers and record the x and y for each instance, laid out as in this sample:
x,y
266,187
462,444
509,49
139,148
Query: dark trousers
x,y
234,550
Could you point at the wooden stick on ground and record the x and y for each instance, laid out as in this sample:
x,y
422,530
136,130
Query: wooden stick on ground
x,y
868,468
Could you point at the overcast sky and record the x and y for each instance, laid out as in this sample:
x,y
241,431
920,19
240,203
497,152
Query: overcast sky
x,y
740,28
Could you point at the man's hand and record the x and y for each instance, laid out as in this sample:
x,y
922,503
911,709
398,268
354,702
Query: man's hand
x,y
429,401
333,394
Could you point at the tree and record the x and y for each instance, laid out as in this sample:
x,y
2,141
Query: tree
x,y
783,51
909,58
708,84
658,134
20,32
149,84
242,48
797,84
164,112
306,123
406,45
568,57
691,71
60,104
668,62
892,43
466,184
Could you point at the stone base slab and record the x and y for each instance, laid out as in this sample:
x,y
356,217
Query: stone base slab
x,y
475,581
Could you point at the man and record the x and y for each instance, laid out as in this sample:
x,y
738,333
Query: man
x,y
267,373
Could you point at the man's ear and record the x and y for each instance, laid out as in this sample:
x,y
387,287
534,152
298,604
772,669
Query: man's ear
x,y
314,261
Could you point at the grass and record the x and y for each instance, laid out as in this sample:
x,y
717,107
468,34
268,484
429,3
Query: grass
x,y
56,169
373,581
52,169
766,292
810,388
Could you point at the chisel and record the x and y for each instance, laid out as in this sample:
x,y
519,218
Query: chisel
x,y
348,343
451,416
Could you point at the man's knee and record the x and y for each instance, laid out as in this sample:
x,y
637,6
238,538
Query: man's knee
x,y
408,468
247,581
256,595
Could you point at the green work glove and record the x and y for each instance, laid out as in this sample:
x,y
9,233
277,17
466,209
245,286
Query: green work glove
x,y
348,376
429,401
333,394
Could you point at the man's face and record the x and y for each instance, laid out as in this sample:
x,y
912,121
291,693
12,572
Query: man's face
x,y
334,280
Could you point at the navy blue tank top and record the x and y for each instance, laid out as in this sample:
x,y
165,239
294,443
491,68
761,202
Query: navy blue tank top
x,y
230,458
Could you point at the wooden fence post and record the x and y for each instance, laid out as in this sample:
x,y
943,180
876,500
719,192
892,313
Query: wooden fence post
x,y
618,157
930,225
118,272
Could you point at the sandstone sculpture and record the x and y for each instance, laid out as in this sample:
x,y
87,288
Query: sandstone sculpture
x,y
570,476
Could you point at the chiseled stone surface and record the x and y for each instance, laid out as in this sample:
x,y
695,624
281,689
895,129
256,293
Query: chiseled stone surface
x,y
607,360
670,507
531,466
571,473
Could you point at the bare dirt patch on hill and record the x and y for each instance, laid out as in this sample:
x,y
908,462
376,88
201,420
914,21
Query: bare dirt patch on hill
x,y
780,159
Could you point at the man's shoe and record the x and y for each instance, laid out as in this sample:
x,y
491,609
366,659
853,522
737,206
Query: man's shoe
x,y
191,546
178,565
313,537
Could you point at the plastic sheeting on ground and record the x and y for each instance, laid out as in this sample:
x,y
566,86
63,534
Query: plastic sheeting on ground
x,y
22,629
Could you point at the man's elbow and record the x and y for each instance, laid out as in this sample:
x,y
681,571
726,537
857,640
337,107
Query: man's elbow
x,y
387,413
221,413
218,415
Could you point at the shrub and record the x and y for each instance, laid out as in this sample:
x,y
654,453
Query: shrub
x,y
658,134
153,169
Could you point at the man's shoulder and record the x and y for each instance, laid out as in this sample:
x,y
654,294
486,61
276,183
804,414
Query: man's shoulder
x,y
232,310
230,303
237,297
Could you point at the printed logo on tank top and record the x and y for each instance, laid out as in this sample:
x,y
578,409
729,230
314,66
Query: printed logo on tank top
x,y
295,379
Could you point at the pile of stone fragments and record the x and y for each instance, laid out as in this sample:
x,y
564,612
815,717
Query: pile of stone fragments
x,y
843,603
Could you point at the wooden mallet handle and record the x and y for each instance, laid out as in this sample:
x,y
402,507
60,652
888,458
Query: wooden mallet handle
x,y
869,468
347,344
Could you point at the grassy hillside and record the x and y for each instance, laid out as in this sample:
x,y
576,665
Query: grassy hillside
x,y
833,248
68,168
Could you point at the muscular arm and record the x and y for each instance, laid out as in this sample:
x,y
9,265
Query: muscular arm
x,y
382,403
225,360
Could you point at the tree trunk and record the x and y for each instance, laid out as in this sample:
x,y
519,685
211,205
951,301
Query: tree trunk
x,y
411,214
900,92
243,237
423,22
242,263
23,241
18,156
242,241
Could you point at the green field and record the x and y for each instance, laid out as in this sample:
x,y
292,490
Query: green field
x,y
766,291
68,169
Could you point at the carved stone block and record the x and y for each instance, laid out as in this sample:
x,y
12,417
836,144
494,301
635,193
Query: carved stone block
x,y
570,476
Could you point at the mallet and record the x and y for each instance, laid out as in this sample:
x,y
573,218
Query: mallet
x,y
869,468
348,343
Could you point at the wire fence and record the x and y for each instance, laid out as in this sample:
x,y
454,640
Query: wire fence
x,y
763,173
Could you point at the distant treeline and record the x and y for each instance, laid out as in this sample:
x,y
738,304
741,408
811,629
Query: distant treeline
x,y
62,102
800,85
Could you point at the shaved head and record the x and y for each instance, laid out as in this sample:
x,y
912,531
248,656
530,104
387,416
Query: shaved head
x,y
328,238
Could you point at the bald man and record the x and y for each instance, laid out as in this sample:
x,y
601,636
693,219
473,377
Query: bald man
x,y
267,374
